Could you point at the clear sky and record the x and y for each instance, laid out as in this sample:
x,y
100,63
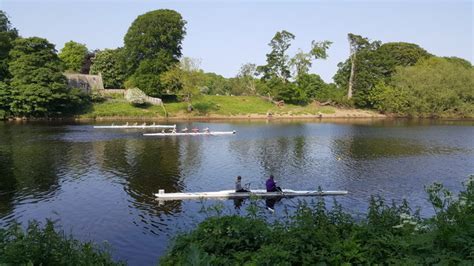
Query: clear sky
x,y
226,34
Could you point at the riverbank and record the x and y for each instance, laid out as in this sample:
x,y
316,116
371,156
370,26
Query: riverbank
x,y
217,108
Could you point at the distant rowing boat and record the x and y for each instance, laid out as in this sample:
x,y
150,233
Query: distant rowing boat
x,y
142,126
229,194
210,133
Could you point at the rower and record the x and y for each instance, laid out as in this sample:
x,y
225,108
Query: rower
x,y
238,185
195,130
126,124
206,130
184,130
173,130
271,185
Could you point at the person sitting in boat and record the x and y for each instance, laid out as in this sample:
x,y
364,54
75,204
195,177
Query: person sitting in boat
x,y
173,130
271,185
195,130
206,130
184,130
238,185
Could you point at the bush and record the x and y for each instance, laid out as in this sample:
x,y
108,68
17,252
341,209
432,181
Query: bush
x,y
205,107
433,87
389,234
46,246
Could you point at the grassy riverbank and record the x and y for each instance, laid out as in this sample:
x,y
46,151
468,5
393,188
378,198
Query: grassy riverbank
x,y
226,107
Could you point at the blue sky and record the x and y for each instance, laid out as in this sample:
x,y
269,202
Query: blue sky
x,y
227,34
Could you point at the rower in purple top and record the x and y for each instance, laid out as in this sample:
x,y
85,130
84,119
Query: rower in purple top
x,y
271,185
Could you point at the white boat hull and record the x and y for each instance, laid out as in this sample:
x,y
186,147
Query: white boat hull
x,y
229,194
136,126
215,133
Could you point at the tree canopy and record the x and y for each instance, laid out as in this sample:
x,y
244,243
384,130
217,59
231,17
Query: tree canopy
x,y
38,85
433,87
7,35
73,55
110,63
374,62
152,46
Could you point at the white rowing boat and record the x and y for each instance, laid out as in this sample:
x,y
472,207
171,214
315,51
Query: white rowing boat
x,y
142,126
229,194
210,133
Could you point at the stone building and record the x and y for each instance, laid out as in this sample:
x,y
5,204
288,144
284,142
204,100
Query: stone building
x,y
87,83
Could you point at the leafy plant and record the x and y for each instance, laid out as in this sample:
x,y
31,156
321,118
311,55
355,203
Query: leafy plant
x,y
46,246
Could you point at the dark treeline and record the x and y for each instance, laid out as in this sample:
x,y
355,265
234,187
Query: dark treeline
x,y
400,78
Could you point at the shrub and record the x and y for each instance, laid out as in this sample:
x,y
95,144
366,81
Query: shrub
x,y
205,107
46,246
389,234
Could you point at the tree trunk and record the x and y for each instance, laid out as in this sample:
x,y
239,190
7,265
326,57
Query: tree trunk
x,y
351,78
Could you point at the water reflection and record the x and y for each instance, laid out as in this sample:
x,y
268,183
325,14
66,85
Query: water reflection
x,y
99,184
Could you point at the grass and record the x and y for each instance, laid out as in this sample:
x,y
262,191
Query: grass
x,y
206,105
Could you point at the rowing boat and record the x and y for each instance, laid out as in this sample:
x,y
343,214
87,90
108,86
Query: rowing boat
x,y
143,126
229,194
210,133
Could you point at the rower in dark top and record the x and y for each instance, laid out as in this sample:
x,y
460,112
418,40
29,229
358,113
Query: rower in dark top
x,y
271,185
238,185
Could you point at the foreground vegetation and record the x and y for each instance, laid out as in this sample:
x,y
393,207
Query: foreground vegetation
x,y
206,105
47,246
389,234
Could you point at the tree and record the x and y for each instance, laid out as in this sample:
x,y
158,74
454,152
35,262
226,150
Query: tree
x,y
310,84
245,82
375,63
184,78
356,43
302,61
7,35
110,63
73,55
277,60
152,46
433,87
86,65
38,85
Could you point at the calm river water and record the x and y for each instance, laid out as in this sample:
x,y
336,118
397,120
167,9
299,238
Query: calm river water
x,y
98,184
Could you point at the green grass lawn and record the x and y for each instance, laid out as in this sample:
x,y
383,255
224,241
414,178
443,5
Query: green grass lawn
x,y
204,105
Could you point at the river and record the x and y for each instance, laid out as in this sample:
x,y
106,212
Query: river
x,y
98,184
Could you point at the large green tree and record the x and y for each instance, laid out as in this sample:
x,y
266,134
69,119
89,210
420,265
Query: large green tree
x,y
277,66
433,87
110,63
73,55
373,62
7,35
152,46
38,85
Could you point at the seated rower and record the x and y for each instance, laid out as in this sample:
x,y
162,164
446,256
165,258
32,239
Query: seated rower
x,y
195,130
206,130
184,130
271,185
238,185
173,130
